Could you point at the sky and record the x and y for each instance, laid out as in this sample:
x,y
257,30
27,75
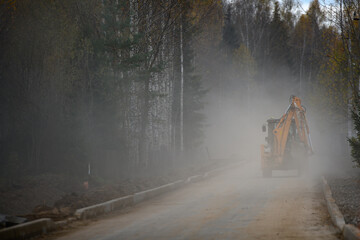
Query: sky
x,y
305,3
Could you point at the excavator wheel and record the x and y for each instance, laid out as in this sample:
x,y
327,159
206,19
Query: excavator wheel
x,y
267,173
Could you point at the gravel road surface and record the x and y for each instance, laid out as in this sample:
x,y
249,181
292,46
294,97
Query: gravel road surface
x,y
236,204
346,192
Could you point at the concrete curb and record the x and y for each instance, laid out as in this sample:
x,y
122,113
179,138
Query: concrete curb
x,y
195,178
27,230
145,195
218,170
211,173
45,225
349,231
336,215
115,204
102,208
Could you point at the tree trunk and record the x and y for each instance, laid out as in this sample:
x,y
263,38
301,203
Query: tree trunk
x,y
143,158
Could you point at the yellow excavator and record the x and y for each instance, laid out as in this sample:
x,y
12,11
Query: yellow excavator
x,y
288,142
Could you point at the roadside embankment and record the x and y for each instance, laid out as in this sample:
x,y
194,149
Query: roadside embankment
x,y
23,231
349,231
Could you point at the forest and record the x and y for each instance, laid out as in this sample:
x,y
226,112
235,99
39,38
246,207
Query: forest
x,y
113,87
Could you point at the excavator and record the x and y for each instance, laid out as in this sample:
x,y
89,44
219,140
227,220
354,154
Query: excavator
x,y
288,143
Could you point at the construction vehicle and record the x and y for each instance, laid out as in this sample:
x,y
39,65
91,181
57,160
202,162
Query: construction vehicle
x,y
288,144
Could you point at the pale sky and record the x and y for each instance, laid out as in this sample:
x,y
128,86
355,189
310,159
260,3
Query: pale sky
x,y
305,3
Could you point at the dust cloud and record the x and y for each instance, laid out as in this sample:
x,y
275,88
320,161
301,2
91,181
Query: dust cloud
x,y
234,126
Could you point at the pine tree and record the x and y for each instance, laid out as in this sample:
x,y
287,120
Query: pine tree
x,y
279,49
116,52
193,104
230,38
194,93
355,141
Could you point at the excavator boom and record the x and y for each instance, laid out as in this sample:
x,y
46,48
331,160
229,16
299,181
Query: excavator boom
x,y
295,112
288,140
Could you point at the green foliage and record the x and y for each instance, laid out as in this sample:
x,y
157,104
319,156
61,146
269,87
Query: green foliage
x,y
279,50
117,44
355,141
90,81
194,118
230,38
331,90
245,62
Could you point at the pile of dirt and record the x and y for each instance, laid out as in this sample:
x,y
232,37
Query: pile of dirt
x,y
346,192
70,202
21,196
58,197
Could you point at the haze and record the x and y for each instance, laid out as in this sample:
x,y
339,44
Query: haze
x,y
105,99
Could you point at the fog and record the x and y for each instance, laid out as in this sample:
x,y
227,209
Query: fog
x,y
104,99
234,128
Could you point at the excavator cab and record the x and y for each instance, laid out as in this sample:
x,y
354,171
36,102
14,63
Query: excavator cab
x,y
287,144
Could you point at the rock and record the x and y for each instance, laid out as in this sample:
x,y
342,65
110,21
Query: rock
x,y
55,211
41,208
66,211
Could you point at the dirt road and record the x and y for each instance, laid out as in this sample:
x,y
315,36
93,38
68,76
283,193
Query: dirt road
x,y
237,204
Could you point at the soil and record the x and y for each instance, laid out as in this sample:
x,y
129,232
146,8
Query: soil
x,y
57,196
20,197
236,204
346,192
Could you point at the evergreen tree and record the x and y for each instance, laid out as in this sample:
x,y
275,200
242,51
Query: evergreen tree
x,y
355,141
194,93
118,61
287,12
230,38
194,118
279,38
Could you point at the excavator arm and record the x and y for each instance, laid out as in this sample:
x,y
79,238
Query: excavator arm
x,y
295,112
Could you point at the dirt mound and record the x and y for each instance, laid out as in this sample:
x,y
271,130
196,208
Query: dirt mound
x,y
58,197
23,195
